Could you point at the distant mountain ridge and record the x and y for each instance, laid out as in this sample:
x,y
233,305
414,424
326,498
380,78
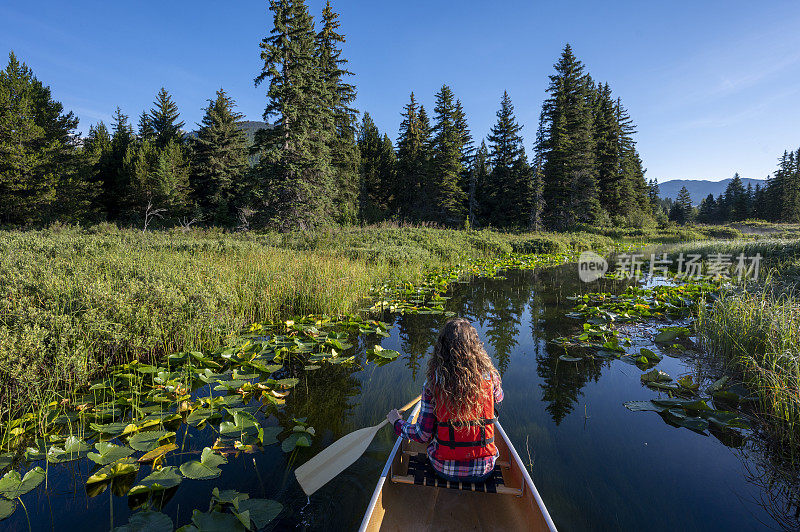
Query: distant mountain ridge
x,y
699,188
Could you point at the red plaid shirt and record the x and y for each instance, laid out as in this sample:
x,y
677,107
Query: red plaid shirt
x,y
422,431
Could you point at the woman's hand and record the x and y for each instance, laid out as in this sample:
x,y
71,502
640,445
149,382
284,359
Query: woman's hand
x,y
393,416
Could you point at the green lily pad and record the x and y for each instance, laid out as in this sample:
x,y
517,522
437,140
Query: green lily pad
x,y
244,425
6,459
110,429
200,416
147,521
262,511
6,508
668,334
12,485
148,440
108,452
567,358
655,376
122,467
159,480
158,452
296,439
205,468
73,449
650,355
216,522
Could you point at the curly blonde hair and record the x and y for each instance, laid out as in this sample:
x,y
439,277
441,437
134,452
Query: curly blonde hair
x,y
457,367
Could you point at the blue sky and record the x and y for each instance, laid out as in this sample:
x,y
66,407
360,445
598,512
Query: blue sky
x,y
713,86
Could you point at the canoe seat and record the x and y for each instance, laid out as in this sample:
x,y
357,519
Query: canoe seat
x,y
421,472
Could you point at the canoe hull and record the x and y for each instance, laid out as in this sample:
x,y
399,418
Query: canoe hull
x,y
398,506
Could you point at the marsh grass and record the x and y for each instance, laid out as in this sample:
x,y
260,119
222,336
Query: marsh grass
x,y
757,333
74,302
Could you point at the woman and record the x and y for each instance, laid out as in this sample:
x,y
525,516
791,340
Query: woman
x,y
457,413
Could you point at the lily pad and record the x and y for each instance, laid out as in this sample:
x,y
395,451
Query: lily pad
x,y
217,522
204,469
655,376
159,480
12,485
296,439
108,452
262,511
6,508
244,425
73,449
148,440
158,452
111,471
567,358
147,521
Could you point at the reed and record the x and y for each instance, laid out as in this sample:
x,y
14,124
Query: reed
x,y
757,333
74,301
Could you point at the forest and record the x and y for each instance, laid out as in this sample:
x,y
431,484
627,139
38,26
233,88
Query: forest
x,y
318,164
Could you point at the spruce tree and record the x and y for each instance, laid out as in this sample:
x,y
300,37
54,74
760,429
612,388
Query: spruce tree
x,y
338,99
413,146
736,201
294,172
162,121
377,160
447,158
570,173
480,187
682,211
219,160
36,145
508,192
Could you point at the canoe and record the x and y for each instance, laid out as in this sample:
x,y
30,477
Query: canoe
x,y
398,503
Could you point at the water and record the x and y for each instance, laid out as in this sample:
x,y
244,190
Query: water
x,y
597,465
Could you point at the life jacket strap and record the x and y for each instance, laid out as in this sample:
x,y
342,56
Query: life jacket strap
x,y
480,422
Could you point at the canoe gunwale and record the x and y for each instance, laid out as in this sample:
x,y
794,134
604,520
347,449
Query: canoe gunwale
x,y
528,480
384,474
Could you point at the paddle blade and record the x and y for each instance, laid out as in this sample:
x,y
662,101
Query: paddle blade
x,y
334,459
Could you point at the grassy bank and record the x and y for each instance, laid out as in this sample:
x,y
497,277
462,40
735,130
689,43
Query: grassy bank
x,y
757,334
755,329
73,302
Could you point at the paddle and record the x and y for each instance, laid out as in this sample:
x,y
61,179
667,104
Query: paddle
x,y
338,456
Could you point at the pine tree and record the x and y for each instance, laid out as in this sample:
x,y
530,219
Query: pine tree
x,y
339,96
413,147
537,184
377,162
162,121
36,145
219,160
145,127
508,192
736,201
682,211
708,210
570,174
447,159
467,151
294,156
480,187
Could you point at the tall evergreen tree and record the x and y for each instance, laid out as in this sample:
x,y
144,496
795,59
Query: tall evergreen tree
x,y
163,121
338,99
736,202
509,192
294,156
570,174
480,187
36,145
377,161
682,211
447,158
413,147
219,160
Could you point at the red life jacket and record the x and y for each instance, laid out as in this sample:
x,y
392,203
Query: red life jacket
x,y
469,439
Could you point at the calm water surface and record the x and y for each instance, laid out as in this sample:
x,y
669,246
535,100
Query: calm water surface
x,y
597,465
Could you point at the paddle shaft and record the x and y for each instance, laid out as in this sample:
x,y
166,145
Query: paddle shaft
x,y
338,456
